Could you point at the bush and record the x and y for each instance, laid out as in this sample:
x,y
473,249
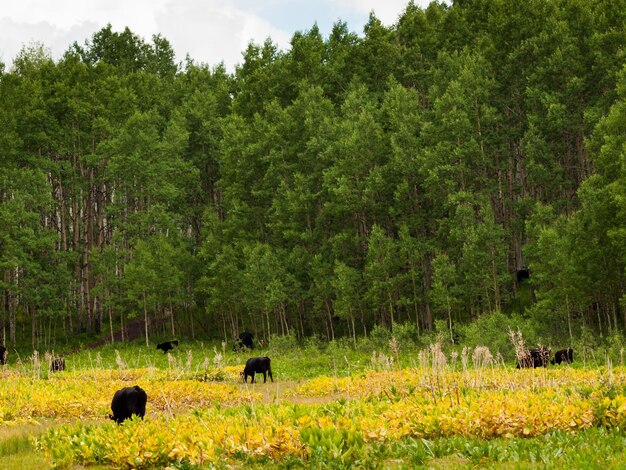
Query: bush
x,y
492,329
315,342
283,343
610,349
380,336
214,374
406,335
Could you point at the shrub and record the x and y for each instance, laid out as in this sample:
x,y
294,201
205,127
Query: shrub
x,y
491,330
315,342
283,343
209,375
406,335
380,336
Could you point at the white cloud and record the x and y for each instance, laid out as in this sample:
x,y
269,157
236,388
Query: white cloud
x,y
214,31
66,13
209,30
14,35
387,11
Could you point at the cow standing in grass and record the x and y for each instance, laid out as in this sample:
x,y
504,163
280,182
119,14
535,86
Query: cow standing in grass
x,y
127,402
244,341
3,355
534,358
167,345
563,355
259,365
57,364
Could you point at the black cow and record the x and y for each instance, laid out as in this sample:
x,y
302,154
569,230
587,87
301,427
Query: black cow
x,y
534,358
57,364
127,402
244,341
259,365
167,345
564,355
3,355
523,274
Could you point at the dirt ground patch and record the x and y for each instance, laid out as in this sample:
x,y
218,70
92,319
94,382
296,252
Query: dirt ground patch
x,y
276,392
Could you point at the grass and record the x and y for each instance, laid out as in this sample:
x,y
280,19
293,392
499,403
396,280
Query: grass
x,y
290,360
16,449
594,447
298,363
591,448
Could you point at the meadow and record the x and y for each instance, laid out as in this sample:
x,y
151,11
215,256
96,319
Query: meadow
x,y
331,405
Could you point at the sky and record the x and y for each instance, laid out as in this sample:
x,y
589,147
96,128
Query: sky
x,y
210,31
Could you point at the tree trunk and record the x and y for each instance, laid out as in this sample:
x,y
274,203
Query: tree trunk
x,y
283,314
193,331
427,316
88,245
13,325
145,316
224,325
330,320
450,319
69,317
391,319
496,287
363,322
122,326
415,304
353,322
110,309
33,327
172,319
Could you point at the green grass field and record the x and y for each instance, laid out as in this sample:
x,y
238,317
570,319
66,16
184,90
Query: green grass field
x,y
330,406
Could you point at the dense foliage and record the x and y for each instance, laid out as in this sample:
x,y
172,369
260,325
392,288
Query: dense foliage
x,y
351,182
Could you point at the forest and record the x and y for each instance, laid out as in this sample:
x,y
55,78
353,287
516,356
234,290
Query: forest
x,y
408,177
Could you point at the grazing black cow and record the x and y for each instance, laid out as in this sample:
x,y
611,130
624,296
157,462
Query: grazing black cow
x,y
259,365
167,345
127,402
564,355
3,355
535,358
523,274
57,364
244,341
